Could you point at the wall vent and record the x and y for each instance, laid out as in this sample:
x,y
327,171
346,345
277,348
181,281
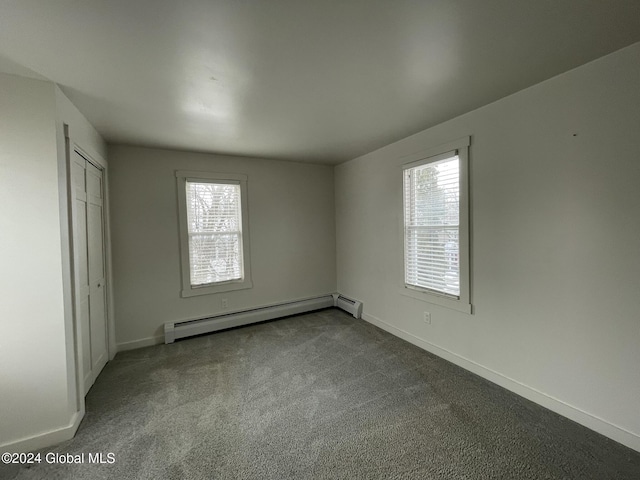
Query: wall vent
x,y
354,307
188,328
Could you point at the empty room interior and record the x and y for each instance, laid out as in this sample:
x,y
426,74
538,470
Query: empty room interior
x,y
296,239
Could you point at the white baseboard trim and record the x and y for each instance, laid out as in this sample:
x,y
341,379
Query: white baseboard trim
x,y
143,342
46,439
586,419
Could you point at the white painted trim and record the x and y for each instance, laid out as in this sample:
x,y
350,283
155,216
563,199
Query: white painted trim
x,y
608,429
111,321
463,302
188,290
436,299
66,238
73,265
141,343
197,175
45,439
463,142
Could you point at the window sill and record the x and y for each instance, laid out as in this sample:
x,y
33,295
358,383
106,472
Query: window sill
x,y
220,288
441,300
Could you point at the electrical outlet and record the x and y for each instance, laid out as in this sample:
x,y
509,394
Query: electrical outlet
x,y
224,303
427,318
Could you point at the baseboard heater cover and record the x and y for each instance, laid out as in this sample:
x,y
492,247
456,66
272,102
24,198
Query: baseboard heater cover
x,y
354,307
183,329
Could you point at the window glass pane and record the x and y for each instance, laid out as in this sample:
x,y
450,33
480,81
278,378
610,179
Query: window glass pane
x,y
214,258
213,207
432,231
214,224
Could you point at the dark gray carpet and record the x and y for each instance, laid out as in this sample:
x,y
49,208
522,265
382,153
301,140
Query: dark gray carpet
x,y
319,396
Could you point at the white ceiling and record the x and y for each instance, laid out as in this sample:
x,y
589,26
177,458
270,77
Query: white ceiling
x,y
309,80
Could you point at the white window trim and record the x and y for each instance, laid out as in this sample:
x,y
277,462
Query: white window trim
x,y
189,290
463,303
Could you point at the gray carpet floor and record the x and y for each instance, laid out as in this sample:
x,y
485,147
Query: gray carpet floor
x,y
319,396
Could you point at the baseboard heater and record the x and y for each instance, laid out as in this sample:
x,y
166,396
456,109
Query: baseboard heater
x,y
182,329
354,307
188,328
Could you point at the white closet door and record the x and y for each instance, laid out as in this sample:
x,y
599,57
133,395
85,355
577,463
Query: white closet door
x,y
89,255
95,250
82,272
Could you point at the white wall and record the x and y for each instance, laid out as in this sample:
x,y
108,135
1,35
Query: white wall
x,y
555,176
38,404
291,228
33,379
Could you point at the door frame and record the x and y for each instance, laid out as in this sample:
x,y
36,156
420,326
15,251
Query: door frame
x,y
72,147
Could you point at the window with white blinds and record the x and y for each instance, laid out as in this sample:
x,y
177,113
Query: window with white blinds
x,y
214,225
436,227
213,232
432,225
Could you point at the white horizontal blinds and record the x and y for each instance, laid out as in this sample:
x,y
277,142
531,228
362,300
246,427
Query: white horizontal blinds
x,y
214,226
432,225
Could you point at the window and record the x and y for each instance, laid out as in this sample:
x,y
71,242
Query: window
x,y
214,241
436,226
